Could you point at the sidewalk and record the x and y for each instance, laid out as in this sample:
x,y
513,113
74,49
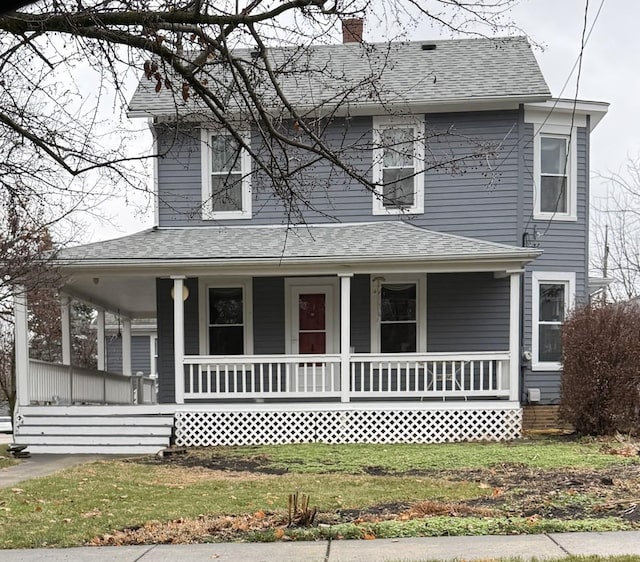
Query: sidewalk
x,y
382,550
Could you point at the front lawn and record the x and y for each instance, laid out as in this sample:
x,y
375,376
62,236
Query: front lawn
x,y
361,491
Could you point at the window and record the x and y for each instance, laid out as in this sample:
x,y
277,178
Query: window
x,y
553,294
226,186
555,173
398,165
398,315
226,321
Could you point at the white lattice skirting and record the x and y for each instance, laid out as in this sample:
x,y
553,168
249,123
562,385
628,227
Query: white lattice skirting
x,y
264,426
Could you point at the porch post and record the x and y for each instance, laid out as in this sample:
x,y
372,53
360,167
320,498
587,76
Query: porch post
x,y
178,336
102,363
22,345
514,336
126,346
65,317
345,335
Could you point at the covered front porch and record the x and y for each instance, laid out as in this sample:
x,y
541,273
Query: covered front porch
x,y
361,342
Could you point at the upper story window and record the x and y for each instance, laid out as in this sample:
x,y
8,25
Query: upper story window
x,y
553,293
398,165
555,173
226,185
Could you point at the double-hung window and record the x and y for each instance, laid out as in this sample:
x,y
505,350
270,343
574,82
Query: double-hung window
x,y
226,185
555,173
226,320
553,294
398,315
398,165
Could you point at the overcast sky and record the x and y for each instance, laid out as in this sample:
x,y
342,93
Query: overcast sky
x,y
610,73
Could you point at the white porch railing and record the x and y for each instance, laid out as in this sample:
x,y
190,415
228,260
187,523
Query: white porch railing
x,y
65,384
430,375
262,376
416,375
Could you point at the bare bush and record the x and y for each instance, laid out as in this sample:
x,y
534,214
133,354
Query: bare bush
x,y
600,392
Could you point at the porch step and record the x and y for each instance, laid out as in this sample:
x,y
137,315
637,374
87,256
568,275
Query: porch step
x,y
68,430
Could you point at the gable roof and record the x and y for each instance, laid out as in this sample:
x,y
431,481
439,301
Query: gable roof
x,y
363,77
351,244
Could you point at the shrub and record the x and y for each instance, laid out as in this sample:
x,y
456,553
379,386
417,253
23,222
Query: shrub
x,y
600,391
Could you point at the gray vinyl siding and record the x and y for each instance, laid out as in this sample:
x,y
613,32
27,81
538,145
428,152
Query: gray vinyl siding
x,y
565,249
361,313
166,366
140,354
463,195
268,315
467,312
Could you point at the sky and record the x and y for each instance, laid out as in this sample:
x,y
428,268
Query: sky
x,y
610,73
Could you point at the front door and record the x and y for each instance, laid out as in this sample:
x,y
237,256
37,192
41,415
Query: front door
x,y
312,321
313,325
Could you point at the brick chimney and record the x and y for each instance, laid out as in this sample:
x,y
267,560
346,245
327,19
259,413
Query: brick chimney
x,y
352,30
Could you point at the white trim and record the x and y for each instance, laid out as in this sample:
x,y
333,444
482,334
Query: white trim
x,y
514,335
153,360
293,286
101,344
421,307
156,172
566,111
21,327
537,277
65,319
404,122
178,339
244,283
571,135
126,347
205,166
345,336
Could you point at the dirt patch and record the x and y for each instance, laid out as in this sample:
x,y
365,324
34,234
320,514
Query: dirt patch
x,y
511,490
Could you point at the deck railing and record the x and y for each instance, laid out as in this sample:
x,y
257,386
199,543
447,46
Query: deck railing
x,y
262,376
415,375
54,383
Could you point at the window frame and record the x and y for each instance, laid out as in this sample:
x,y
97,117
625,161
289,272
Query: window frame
x,y
206,170
246,284
401,122
570,135
420,280
568,279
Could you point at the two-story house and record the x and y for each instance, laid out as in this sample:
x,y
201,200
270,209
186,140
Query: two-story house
x,y
424,306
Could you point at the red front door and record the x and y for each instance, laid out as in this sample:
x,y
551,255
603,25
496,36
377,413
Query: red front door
x,y
312,323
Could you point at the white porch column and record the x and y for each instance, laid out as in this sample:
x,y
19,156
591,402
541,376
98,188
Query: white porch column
x,y
126,346
345,335
22,345
514,336
101,352
65,317
178,336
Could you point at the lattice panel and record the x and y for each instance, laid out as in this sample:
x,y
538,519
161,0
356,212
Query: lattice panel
x,y
197,429
204,429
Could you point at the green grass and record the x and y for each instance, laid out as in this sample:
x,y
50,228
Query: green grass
x,y
5,459
75,505
354,459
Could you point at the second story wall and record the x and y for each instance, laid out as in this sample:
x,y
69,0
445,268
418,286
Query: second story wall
x,y
470,181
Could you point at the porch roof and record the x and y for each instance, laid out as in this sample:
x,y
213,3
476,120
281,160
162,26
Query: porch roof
x,y
355,243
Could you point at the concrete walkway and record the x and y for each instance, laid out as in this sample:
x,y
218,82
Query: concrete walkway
x,y
382,550
37,466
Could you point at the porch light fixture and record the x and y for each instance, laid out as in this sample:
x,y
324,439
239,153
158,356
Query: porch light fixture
x,y
185,293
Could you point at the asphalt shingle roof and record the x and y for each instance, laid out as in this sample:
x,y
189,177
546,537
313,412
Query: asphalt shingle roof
x,y
403,73
381,241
